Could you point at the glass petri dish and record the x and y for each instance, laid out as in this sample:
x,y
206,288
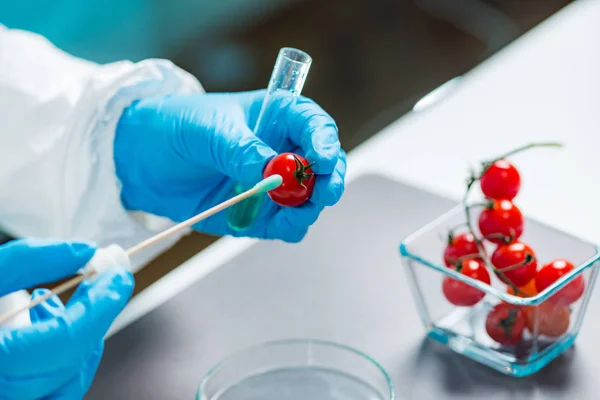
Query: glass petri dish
x,y
297,369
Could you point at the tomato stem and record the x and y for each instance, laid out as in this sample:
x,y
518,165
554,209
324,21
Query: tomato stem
x,y
300,172
509,321
450,236
458,261
529,258
505,239
487,164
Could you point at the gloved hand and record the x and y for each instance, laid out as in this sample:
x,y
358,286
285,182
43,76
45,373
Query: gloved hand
x,y
177,156
57,356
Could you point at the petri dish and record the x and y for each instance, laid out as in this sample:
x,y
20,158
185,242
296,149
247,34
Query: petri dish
x,y
297,369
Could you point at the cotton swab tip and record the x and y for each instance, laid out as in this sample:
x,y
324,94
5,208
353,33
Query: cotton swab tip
x,y
269,183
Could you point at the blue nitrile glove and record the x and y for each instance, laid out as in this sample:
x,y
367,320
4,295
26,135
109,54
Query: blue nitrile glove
x,y
177,156
56,357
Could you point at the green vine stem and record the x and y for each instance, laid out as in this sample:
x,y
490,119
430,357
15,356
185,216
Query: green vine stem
x,y
459,260
470,182
487,164
528,259
505,239
478,242
507,323
300,173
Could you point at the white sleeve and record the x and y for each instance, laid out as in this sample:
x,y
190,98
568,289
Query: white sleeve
x,y
58,116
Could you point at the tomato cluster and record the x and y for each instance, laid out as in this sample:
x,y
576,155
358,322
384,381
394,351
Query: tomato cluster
x,y
514,262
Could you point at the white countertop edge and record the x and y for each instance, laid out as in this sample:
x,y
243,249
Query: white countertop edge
x,y
180,279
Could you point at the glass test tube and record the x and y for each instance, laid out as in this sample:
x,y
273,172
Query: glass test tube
x,y
287,80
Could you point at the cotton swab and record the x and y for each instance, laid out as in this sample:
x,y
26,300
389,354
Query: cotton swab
x,y
266,185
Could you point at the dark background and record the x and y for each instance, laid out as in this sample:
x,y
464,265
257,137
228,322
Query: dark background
x,y
372,59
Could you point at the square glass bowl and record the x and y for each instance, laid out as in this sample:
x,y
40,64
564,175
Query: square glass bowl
x,y
463,329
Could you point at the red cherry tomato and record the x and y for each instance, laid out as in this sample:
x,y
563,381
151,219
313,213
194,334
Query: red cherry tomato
x,y
552,320
298,179
500,181
462,294
511,255
459,246
501,222
554,270
505,323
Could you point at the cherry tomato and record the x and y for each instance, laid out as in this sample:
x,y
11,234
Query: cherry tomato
x,y
552,320
459,246
505,323
511,255
500,181
528,290
462,294
298,179
554,270
501,222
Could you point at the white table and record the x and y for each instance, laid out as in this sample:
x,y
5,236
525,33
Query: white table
x,y
543,87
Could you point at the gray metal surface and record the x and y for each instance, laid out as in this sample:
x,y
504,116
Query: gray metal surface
x,y
343,283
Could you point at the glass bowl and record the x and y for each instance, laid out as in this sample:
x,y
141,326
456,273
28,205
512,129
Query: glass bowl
x,y
549,328
297,369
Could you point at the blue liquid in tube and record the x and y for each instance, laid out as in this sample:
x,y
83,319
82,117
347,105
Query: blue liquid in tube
x,y
287,81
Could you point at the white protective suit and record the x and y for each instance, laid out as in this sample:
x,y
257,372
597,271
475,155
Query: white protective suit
x,y
58,116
